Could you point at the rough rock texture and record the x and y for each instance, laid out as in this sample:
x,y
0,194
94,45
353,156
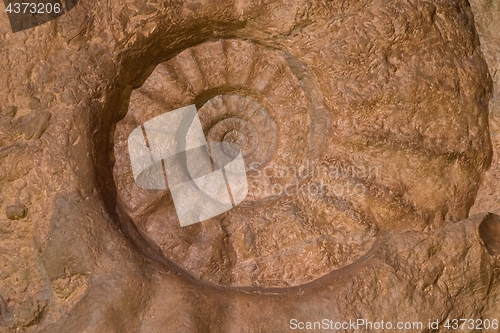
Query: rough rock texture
x,y
400,86
487,14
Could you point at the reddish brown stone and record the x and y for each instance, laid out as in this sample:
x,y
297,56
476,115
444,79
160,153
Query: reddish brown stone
x,y
398,86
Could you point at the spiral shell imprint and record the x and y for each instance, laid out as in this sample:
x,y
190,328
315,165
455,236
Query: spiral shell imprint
x,y
248,95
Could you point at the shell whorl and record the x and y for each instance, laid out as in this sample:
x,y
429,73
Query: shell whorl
x,y
245,94
241,120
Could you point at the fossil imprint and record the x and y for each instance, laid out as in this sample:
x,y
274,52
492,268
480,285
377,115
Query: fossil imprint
x,y
333,89
320,190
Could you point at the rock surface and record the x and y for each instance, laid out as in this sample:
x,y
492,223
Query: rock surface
x,y
487,15
16,211
398,85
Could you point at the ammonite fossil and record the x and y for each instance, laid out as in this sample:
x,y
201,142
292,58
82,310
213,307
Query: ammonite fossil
x,y
327,173
359,121
247,94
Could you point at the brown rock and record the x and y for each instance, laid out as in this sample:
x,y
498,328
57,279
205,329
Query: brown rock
x,y
371,166
10,111
399,88
489,230
16,211
34,103
486,14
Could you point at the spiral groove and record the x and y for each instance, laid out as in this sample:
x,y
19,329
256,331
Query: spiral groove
x,y
248,95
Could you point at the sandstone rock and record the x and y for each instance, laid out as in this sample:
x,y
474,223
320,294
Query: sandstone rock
x,y
486,14
16,211
489,230
398,86
10,111
34,103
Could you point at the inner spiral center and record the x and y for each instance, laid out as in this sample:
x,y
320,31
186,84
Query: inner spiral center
x,y
236,137
240,120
